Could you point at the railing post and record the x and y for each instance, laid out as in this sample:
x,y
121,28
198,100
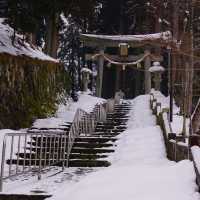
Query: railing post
x,y
64,150
11,154
40,158
25,141
18,151
2,164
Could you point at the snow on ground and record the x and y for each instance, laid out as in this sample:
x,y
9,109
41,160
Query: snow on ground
x,y
196,156
140,169
66,113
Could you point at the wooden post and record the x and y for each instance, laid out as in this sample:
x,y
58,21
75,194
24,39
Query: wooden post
x,y
117,80
147,64
100,74
191,74
170,85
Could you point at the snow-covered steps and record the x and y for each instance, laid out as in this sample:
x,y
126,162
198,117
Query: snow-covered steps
x,y
87,151
92,151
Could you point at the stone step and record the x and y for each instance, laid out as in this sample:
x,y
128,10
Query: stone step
x,y
87,156
123,106
113,135
121,109
92,145
121,113
104,133
80,150
110,129
119,127
89,163
48,139
24,196
91,151
33,156
110,123
118,120
96,139
118,115
105,126
76,144
48,129
72,163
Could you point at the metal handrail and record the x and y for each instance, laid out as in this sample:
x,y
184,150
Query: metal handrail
x,y
77,127
85,123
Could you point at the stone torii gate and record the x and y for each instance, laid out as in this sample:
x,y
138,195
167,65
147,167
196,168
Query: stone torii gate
x,y
101,42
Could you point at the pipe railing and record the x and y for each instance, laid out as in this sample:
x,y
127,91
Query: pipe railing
x,y
80,125
85,123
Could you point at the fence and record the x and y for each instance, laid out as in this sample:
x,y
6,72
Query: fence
x,y
36,151
31,152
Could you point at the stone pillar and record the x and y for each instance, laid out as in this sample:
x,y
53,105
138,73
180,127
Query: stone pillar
x,y
100,74
147,65
86,80
157,81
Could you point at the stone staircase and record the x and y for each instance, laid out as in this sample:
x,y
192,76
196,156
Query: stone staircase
x,y
88,150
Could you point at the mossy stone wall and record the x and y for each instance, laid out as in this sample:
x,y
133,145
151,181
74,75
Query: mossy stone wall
x,y
29,89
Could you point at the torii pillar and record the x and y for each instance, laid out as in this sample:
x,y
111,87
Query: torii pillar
x,y
100,73
147,65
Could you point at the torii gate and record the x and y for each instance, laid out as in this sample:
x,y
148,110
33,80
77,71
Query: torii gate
x,y
143,41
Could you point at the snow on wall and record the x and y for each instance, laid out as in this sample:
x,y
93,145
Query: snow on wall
x,y
19,48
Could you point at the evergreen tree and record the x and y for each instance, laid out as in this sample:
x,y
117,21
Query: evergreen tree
x,y
3,8
69,51
21,15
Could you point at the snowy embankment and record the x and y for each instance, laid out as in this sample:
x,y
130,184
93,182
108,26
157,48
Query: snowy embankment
x,y
140,169
66,113
177,124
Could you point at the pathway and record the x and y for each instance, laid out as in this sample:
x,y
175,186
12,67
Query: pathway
x,y
140,169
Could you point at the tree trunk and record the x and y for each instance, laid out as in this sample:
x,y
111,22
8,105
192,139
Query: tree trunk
x,y
196,118
52,36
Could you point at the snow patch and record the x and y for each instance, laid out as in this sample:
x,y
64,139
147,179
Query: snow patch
x,y
67,112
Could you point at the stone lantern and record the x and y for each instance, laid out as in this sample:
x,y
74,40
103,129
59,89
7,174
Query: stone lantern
x,y
85,78
157,71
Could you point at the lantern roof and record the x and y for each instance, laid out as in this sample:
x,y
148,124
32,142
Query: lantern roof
x,y
156,68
